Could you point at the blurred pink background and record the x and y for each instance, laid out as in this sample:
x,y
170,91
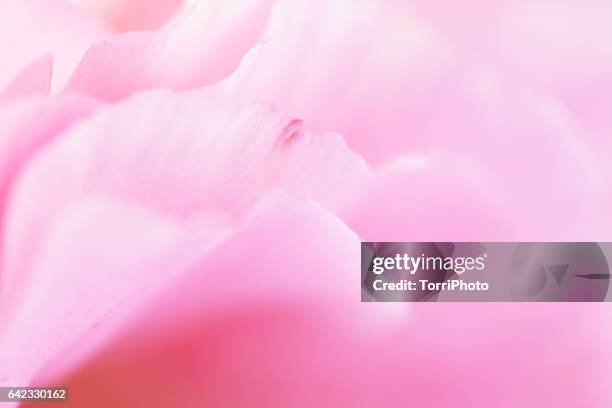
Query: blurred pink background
x,y
184,187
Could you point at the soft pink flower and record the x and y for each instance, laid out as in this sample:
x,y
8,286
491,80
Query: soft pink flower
x,y
180,224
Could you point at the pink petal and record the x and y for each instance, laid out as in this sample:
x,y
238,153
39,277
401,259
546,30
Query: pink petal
x,y
38,27
433,197
180,155
529,143
261,321
26,127
131,15
29,124
35,79
391,85
202,315
223,32
366,70
323,169
436,196
87,268
519,137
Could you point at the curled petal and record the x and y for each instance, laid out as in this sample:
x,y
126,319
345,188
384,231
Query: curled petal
x,y
526,140
312,161
366,70
180,155
389,99
223,32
